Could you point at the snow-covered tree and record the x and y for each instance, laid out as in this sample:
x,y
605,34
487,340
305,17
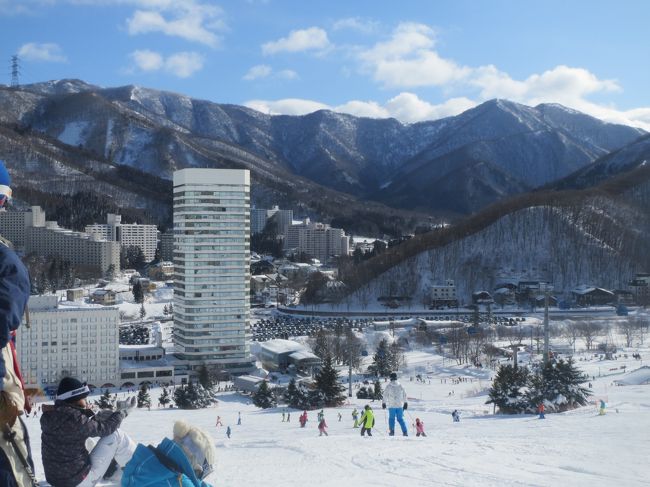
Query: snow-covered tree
x,y
297,396
164,397
327,382
263,397
381,360
558,385
377,394
144,400
509,390
105,401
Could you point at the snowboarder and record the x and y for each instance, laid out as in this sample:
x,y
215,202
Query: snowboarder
x,y
340,417
219,423
540,410
239,418
15,455
395,400
67,424
419,427
185,460
355,417
367,420
322,427
228,431
601,412
456,416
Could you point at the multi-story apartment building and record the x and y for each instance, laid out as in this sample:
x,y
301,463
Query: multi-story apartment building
x,y
318,240
211,268
127,234
260,217
167,246
444,294
65,339
81,249
15,224
30,232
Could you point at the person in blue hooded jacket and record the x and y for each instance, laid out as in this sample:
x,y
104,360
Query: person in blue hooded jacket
x,y
185,461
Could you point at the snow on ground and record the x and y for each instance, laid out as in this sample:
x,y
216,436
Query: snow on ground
x,y
575,448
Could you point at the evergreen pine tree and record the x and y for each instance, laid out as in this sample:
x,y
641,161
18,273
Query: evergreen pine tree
x,y
138,292
144,400
164,397
381,360
362,393
204,377
508,389
396,356
180,397
290,394
143,312
105,401
377,393
327,382
557,385
263,397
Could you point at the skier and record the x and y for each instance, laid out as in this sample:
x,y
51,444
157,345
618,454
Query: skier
x,y
355,416
303,419
456,416
288,417
16,466
219,423
322,427
186,460
239,418
228,431
540,410
321,415
601,412
395,400
367,420
283,416
67,424
340,417
419,427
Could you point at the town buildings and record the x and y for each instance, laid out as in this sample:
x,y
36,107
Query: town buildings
x,y
127,234
282,218
211,268
317,240
68,339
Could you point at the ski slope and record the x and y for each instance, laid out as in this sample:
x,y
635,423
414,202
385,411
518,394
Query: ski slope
x,y
571,449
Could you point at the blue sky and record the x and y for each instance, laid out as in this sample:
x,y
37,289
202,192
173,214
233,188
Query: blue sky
x,y
413,60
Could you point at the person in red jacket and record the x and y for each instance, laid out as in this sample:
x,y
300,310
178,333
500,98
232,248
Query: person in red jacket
x,y
322,427
419,427
540,410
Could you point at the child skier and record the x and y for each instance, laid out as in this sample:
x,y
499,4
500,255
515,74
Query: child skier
x,y
228,431
367,420
419,427
67,425
239,418
456,416
219,423
303,419
540,410
340,417
355,417
601,412
322,427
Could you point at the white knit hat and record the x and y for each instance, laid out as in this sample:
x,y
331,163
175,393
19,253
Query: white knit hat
x,y
197,446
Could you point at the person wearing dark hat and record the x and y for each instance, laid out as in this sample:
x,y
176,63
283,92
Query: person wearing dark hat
x,y
395,400
65,427
16,467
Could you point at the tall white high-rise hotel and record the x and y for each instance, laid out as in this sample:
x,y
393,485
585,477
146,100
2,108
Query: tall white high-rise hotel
x,y
211,268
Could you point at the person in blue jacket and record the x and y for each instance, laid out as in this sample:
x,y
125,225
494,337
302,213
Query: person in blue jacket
x,y
16,466
185,461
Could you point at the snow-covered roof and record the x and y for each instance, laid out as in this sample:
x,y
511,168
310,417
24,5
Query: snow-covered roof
x,y
282,346
303,355
589,289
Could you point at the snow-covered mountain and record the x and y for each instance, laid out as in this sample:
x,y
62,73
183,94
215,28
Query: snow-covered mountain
x,y
453,165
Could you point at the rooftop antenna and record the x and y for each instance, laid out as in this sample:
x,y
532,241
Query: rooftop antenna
x,y
15,71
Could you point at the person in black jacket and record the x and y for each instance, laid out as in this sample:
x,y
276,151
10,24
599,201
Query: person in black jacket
x,y
67,424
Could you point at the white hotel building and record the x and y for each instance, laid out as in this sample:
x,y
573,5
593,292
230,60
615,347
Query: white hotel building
x,y
211,268
68,339
127,234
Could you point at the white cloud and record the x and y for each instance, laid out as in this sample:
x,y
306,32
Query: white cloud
x,y
356,23
48,52
187,19
257,72
147,60
406,107
313,38
261,71
288,74
180,64
407,60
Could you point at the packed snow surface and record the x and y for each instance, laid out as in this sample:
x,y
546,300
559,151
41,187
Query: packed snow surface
x,y
577,448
